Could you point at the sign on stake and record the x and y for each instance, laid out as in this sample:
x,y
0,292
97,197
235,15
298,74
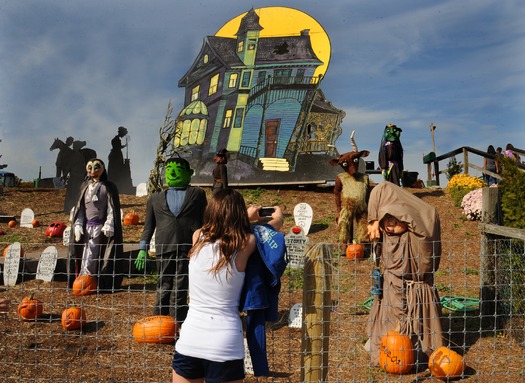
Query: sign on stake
x,y
46,264
11,264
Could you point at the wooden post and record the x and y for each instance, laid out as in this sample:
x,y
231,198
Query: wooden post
x,y
487,298
436,171
465,161
316,313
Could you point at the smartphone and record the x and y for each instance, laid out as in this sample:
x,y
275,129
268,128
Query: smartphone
x,y
266,211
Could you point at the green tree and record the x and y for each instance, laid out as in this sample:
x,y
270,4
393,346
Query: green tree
x,y
454,167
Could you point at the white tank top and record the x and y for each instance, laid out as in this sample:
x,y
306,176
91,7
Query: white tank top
x,y
213,329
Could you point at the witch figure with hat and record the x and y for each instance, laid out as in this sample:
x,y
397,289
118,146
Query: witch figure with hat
x,y
220,172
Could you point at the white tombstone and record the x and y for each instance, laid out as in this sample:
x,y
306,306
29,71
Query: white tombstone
x,y
248,365
296,244
58,183
66,236
142,190
26,218
11,264
303,215
295,319
46,264
151,248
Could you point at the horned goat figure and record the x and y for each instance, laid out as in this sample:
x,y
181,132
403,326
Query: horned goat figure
x,y
351,190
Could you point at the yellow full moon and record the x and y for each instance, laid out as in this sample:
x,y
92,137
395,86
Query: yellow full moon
x,y
283,21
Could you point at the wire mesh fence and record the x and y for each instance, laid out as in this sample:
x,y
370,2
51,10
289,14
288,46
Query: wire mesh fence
x,y
105,349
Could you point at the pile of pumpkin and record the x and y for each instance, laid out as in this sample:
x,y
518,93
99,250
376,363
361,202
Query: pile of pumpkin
x,y
396,356
30,308
152,329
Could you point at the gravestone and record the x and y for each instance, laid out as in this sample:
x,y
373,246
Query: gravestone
x,y
26,218
151,248
142,190
11,264
295,318
66,236
296,244
248,365
303,216
47,264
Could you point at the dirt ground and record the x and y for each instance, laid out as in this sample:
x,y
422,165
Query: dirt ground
x,y
105,351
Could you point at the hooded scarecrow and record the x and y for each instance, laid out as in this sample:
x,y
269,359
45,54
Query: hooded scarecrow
x,y
411,251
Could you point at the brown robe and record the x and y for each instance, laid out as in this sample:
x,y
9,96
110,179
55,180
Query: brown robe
x,y
408,263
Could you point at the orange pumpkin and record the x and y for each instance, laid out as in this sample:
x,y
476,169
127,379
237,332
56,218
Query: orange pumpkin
x,y
155,329
35,223
396,353
84,285
131,218
355,251
73,318
7,248
446,364
11,223
30,308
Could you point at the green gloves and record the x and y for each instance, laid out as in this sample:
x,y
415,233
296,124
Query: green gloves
x,y
140,262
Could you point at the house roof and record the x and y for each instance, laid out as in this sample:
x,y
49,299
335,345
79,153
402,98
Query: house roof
x,y
250,22
270,50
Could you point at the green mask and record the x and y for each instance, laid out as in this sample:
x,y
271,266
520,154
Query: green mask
x,y
177,175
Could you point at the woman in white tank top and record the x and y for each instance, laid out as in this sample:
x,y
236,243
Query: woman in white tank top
x,y
211,347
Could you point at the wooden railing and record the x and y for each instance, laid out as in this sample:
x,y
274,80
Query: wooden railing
x,y
431,158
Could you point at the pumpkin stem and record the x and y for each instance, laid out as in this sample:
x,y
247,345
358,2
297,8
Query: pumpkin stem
x,y
31,296
398,327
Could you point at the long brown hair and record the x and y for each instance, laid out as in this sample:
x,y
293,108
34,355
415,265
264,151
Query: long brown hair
x,y
225,220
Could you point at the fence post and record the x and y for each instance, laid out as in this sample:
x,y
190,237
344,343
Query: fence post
x,y
316,313
488,309
465,161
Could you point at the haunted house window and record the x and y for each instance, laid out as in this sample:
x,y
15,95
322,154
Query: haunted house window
x,y
232,83
214,84
246,79
299,77
195,93
261,76
227,118
251,45
282,76
190,132
240,46
239,114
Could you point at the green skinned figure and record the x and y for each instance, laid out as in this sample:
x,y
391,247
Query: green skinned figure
x,y
174,215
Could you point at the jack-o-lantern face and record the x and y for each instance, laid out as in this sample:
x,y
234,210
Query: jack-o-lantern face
x,y
95,168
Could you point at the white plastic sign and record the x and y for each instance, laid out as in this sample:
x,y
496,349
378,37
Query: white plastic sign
x,y
295,319
142,190
248,365
46,264
296,244
26,218
303,215
66,236
11,264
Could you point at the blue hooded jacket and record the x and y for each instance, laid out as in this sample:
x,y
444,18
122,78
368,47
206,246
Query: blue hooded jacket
x,y
260,293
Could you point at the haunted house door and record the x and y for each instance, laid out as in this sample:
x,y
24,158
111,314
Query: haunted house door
x,y
272,132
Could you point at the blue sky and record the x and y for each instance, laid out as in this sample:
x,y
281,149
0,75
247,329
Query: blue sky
x,y
83,68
